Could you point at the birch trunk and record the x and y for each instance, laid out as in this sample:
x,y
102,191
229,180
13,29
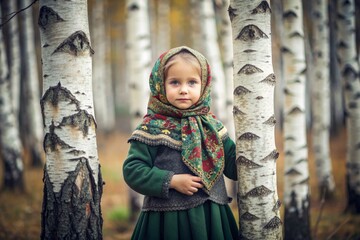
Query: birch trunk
x,y
254,83
349,68
139,62
321,98
212,53
296,179
10,143
163,26
98,35
72,177
12,32
30,107
195,22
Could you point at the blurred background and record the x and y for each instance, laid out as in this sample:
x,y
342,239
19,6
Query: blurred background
x,y
168,24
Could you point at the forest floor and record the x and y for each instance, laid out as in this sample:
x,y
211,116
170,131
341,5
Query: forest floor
x,y
20,213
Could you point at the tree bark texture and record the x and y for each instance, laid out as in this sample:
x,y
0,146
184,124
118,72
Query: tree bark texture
x,y
10,144
254,83
296,179
72,177
321,97
349,69
30,117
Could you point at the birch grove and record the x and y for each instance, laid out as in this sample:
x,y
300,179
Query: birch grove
x,y
254,82
72,177
349,69
296,178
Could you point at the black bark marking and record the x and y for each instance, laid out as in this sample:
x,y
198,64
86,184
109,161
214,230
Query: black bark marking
x,y
262,8
289,15
271,121
81,120
250,33
240,90
73,213
349,72
342,45
52,142
76,44
232,13
249,69
134,7
259,97
290,138
296,35
289,153
297,221
243,161
237,111
249,217
295,111
270,79
304,181
287,92
274,223
260,191
293,172
48,16
77,152
277,206
249,51
57,94
285,50
271,157
248,136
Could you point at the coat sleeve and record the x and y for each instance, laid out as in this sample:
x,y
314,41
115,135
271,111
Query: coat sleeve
x,y
230,159
140,173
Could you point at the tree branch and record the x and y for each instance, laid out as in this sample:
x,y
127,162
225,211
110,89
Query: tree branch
x,y
13,14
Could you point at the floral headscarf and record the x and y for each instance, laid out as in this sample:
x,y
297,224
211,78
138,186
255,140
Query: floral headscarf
x,y
193,131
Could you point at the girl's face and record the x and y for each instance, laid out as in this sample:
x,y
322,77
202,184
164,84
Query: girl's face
x,y
183,84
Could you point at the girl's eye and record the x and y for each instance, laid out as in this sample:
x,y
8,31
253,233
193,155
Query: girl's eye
x,y
174,82
193,82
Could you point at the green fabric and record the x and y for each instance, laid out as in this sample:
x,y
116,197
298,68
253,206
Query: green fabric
x,y
209,221
141,175
195,130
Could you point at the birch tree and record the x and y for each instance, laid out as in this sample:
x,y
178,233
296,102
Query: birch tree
x,y
10,144
296,179
321,98
30,108
212,53
349,68
138,54
254,83
163,26
72,177
12,33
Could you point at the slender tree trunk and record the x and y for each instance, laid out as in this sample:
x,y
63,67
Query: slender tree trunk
x,y
139,58
72,177
12,32
212,53
254,83
10,144
163,27
296,187
195,22
349,68
321,98
30,107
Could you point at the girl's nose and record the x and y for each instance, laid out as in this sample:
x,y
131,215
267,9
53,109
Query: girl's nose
x,y
183,90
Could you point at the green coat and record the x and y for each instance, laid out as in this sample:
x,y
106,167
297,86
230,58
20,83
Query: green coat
x,y
205,221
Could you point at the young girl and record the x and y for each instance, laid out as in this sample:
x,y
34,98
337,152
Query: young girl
x,y
179,153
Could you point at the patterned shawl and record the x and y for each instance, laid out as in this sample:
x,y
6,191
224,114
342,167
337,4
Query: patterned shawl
x,y
194,131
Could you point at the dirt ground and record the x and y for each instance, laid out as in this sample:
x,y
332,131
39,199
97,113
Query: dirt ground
x,y
20,213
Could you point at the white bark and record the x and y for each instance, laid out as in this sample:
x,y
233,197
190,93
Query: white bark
x,y
212,53
67,102
31,86
321,97
254,83
139,58
349,68
296,179
14,54
195,22
10,143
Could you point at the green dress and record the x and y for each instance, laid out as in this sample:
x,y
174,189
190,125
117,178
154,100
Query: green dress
x,y
208,220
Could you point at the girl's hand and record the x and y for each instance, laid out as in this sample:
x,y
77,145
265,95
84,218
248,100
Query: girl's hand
x,y
186,183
